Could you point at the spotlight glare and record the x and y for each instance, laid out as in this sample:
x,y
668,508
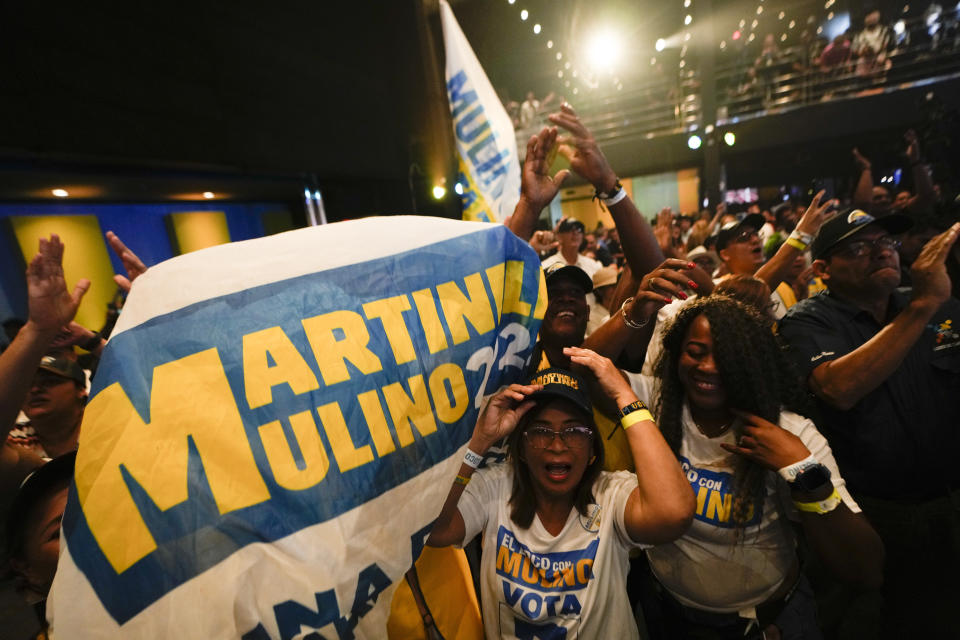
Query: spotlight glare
x,y
686,36
536,28
209,195
781,15
661,44
751,38
686,3
783,37
899,27
549,44
792,24
438,192
694,142
688,19
604,50
730,138
60,193
524,14
759,9
737,35
458,188
559,56
511,1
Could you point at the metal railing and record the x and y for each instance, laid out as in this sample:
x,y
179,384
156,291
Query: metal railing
x,y
666,106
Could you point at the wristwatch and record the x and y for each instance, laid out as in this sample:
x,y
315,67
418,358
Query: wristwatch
x,y
810,478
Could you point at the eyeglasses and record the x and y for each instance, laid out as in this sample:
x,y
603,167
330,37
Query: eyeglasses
x,y
575,437
861,248
745,236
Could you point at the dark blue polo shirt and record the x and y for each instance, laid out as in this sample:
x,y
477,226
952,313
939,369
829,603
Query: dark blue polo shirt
x,y
902,440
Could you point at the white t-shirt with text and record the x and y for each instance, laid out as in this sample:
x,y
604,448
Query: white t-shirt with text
x,y
536,585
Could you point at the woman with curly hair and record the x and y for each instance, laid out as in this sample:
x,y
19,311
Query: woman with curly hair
x,y
726,399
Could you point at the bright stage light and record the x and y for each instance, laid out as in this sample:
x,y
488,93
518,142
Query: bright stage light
x,y
688,19
604,51
730,138
661,44
536,28
60,193
524,14
458,188
694,142
438,192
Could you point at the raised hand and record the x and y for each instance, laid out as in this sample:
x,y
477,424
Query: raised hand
x,y
766,443
931,283
51,306
862,163
582,151
536,185
815,215
131,263
501,415
913,146
543,241
660,287
72,334
664,231
614,385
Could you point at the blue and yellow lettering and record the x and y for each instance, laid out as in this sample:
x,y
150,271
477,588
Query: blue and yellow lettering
x,y
156,454
509,597
570,605
531,604
282,463
289,367
332,353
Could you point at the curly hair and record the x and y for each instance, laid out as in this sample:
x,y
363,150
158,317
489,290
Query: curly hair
x,y
523,503
756,374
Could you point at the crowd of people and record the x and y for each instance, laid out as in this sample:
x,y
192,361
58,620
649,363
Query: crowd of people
x,y
817,68
732,424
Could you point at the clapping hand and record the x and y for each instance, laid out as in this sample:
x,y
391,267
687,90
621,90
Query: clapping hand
x,y
581,150
536,185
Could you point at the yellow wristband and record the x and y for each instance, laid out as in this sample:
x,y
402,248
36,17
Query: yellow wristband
x,y
634,417
464,480
823,506
796,244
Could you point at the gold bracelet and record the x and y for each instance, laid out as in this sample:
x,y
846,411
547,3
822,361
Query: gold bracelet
x,y
634,417
464,480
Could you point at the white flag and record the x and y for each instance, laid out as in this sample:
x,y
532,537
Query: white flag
x,y
486,143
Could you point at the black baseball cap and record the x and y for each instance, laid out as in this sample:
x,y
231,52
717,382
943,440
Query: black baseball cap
x,y
63,367
560,271
570,224
47,477
731,230
852,221
560,383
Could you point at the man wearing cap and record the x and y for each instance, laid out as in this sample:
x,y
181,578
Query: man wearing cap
x,y
570,236
54,407
738,245
884,366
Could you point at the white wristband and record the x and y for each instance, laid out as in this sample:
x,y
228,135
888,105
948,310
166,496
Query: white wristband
x,y
790,472
617,197
472,459
805,238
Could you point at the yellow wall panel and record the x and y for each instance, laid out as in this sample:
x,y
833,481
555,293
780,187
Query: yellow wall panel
x,y
84,256
578,202
194,230
688,187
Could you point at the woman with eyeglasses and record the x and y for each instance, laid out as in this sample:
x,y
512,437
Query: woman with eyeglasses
x,y
557,530
726,399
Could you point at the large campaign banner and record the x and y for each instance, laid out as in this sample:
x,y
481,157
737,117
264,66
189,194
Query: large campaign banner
x,y
275,425
486,144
